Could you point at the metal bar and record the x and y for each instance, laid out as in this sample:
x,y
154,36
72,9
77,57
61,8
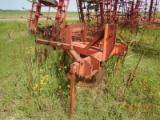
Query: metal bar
x,y
114,11
48,15
79,48
102,12
150,11
30,18
72,80
68,34
109,40
64,17
38,10
81,10
56,25
132,9
96,40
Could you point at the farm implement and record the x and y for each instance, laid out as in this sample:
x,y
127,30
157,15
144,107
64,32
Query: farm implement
x,y
135,13
93,40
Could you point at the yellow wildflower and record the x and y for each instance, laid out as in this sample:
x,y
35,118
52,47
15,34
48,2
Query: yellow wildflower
x,y
68,86
159,93
36,85
59,87
44,84
41,70
39,89
41,82
46,77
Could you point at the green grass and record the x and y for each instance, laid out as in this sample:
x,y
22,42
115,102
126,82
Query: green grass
x,y
25,14
30,89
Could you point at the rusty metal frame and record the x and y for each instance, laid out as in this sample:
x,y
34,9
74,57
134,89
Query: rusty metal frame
x,y
89,65
101,21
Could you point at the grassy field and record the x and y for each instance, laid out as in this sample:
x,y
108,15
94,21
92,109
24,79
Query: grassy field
x,y
31,89
25,14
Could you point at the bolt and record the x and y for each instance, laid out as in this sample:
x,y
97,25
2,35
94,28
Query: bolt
x,y
110,35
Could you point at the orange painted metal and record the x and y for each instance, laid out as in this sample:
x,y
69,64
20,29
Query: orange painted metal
x,y
93,40
86,67
150,10
72,87
30,17
37,16
99,12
